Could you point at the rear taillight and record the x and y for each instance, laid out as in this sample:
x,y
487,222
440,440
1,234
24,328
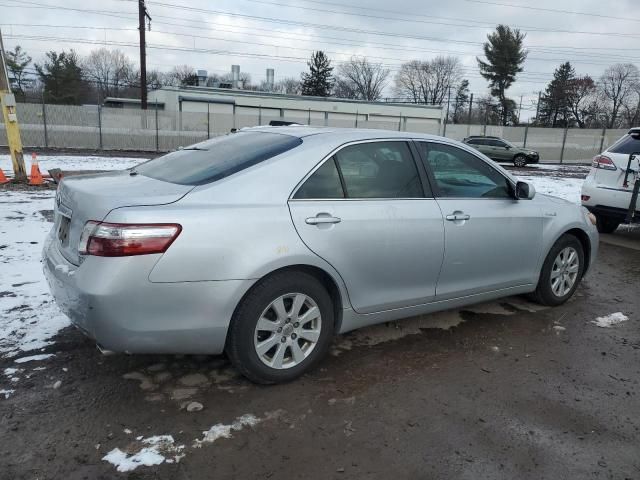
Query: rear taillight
x,y
121,240
602,161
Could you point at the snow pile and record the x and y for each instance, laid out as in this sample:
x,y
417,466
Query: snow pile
x,y
69,162
28,315
6,393
224,431
34,358
156,450
610,320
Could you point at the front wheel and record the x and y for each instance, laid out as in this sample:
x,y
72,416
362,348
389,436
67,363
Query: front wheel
x,y
606,224
561,272
520,161
281,329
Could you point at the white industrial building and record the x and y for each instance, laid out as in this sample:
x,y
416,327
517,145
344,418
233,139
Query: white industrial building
x,y
239,108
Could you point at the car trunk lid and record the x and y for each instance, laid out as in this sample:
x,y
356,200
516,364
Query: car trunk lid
x,y
92,197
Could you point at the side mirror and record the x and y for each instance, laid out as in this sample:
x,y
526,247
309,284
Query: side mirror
x,y
525,191
508,147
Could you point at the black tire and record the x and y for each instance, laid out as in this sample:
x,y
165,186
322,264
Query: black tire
x,y
240,339
606,224
544,293
520,161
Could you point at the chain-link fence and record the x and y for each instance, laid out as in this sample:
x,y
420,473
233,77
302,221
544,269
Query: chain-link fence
x,y
101,128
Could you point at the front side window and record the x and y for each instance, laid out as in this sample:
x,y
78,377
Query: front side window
x,y
379,170
460,174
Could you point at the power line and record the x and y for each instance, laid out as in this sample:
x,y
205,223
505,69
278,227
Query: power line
x,y
217,51
481,25
553,10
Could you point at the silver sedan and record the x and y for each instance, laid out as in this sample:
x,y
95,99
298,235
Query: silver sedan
x,y
266,242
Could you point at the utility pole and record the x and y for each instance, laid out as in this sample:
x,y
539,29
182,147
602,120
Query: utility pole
x,y
519,109
8,102
470,107
142,16
446,117
538,108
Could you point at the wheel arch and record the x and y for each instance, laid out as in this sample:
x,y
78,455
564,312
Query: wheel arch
x,y
583,238
324,277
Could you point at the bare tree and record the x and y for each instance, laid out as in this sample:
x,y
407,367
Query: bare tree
x,y
109,70
358,78
430,81
581,99
617,84
288,85
182,75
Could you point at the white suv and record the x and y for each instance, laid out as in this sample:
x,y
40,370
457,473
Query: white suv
x,y
608,189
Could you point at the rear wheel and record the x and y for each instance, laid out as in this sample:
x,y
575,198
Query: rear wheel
x,y
561,272
520,161
606,224
282,328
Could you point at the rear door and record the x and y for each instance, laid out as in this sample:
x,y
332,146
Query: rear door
x,y
368,212
501,151
492,240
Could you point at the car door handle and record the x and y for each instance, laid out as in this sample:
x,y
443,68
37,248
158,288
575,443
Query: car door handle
x,y
322,220
457,216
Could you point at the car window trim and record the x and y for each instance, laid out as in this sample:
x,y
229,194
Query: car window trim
x,y
414,155
432,179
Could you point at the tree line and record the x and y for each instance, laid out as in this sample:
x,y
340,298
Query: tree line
x,y
569,100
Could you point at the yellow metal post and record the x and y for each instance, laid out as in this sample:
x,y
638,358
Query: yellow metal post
x,y
8,102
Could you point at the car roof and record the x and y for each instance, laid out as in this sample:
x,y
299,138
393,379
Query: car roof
x,y
484,136
348,133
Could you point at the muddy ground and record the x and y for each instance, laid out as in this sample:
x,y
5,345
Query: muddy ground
x,y
507,390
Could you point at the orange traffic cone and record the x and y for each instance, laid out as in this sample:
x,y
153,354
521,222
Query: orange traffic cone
x,y
36,176
3,178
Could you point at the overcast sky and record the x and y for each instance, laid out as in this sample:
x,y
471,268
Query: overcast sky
x,y
281,33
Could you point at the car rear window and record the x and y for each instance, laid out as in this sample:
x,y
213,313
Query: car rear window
x,y
220,157
626,145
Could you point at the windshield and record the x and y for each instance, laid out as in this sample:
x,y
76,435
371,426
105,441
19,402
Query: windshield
x,y
220,157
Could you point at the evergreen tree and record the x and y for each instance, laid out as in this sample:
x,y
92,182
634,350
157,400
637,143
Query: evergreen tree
x,y
555,102
61,76
17,62
460,102
319,81
505,56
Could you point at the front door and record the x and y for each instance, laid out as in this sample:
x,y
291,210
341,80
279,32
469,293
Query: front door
x,y
492,240
367,212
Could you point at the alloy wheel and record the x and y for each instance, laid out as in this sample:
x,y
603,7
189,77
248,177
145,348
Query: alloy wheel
x,y
287,331
564,272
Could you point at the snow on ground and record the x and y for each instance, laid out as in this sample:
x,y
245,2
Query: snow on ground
x,y
225,431
6,393
609,320
566,188
156,450
28,315
68,162
163,449
34,358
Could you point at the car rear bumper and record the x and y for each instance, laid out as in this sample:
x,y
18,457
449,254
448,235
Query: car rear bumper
x,y
608,201
113,302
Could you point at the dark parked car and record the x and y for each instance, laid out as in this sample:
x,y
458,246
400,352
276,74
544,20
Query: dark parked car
x,y
500,150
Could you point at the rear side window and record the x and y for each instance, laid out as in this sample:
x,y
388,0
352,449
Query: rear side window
x,y
323,183
220,157
626,145
379,170
476,141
